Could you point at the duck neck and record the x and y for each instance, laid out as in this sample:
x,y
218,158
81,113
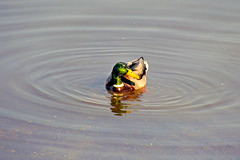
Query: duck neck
x,y
117,82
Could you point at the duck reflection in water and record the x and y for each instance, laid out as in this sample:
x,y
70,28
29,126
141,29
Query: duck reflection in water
x,y
120,108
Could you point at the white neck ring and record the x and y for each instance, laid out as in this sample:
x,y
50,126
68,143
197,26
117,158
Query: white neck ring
x,y
120,85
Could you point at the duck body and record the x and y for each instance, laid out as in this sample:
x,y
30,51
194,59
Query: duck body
x,y
129,76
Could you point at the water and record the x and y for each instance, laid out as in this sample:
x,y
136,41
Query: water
x,y
56,55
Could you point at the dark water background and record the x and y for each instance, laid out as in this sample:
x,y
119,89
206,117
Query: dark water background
x,y
54,59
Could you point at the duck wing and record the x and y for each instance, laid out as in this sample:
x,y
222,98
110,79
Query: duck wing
x,y
138,66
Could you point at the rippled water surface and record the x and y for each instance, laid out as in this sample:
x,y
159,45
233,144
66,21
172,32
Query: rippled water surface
x,y
54,59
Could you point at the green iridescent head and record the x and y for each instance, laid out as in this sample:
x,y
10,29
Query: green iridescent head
x,y
121,69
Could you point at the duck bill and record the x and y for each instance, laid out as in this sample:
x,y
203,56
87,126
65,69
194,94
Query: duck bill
x,y
130,73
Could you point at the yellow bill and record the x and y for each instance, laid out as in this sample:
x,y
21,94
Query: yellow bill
x,y
130,73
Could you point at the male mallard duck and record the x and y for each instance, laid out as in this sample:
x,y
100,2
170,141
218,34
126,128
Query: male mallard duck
x,y
128,76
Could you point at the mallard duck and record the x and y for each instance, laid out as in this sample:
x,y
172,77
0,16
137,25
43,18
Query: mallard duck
x,y
128,76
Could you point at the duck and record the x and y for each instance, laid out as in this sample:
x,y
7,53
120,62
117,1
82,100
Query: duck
x,y
128,76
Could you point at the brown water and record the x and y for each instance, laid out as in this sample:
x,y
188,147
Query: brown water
x,y
54,59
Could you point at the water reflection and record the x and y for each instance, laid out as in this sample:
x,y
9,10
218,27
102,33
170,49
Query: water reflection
x,y
122,108
119,108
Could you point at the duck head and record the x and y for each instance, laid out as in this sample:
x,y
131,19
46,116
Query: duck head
x,y
121,69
